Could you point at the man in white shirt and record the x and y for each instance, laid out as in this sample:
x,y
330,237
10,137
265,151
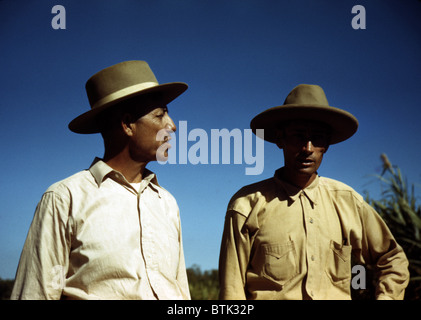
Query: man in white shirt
x,y
111,232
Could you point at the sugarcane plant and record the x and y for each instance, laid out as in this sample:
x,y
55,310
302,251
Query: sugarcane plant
x,y
399,209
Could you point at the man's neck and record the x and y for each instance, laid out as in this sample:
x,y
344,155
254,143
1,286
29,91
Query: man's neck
x,y
133,171
301,181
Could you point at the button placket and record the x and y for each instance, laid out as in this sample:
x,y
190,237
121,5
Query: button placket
x,y
311,245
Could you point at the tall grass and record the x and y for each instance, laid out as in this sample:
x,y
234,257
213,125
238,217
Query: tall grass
x,y
399,209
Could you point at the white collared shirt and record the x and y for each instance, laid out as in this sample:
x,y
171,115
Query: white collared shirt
x,y
94,236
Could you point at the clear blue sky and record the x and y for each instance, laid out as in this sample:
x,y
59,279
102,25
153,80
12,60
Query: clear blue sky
x,y
239,58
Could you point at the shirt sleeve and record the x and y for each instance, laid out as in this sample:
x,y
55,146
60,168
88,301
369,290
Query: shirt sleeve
x,y
234,257
45,256
182,273
380,249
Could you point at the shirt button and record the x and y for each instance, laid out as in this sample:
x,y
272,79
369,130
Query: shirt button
x,y
311,220
313,258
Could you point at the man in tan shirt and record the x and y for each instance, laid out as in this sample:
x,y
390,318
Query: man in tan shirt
x,y
293,236
111,232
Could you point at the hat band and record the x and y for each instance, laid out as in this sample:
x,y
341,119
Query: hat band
x,y
124,92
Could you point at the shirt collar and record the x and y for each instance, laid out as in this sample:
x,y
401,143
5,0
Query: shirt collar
x,y
101,171
294,192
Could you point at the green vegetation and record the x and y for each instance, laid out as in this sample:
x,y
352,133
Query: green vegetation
x,y
399,209
6,287
203,285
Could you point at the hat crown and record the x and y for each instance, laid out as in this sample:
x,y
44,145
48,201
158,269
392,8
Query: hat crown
x,y
126,80
307,94
118,77
306,102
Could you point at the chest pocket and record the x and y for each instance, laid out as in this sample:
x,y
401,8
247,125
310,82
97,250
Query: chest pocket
x,y
338,264
280,263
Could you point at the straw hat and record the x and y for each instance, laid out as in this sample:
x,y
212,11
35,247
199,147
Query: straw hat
x,y
306,102
118,83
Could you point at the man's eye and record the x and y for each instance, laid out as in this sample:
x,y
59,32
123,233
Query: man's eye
x,y
161,113
299,136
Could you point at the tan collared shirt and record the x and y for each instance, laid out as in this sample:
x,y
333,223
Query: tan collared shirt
x,y
281,242
94,236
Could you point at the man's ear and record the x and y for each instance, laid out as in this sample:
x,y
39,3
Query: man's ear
x,y
279,139
127,124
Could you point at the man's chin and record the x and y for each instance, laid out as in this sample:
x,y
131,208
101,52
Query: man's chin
x,y
306,170
162,156
162,152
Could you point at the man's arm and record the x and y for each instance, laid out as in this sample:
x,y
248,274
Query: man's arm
x,y
182,273
382,251
234,257
44,260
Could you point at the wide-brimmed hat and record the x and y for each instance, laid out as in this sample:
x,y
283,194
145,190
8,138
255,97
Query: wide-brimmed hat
x,y
118,83
306,102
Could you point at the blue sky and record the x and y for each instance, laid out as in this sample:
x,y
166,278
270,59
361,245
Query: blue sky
x,y
239,58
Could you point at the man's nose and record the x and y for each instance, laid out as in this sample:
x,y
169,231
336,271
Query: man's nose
x,y
308,147
170,125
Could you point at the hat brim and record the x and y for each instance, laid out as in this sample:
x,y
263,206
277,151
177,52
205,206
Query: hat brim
x,y
342,123
87,122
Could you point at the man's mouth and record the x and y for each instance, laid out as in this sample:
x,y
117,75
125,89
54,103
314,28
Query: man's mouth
x,y
306,161
166,141
166,144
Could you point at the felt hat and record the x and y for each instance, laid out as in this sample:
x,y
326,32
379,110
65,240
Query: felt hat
x,y
117,83
306,102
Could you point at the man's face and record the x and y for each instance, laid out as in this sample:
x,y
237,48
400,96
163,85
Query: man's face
x,y
303,143
150,132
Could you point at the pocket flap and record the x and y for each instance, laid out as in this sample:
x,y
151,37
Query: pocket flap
x,y
278,250
342,251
